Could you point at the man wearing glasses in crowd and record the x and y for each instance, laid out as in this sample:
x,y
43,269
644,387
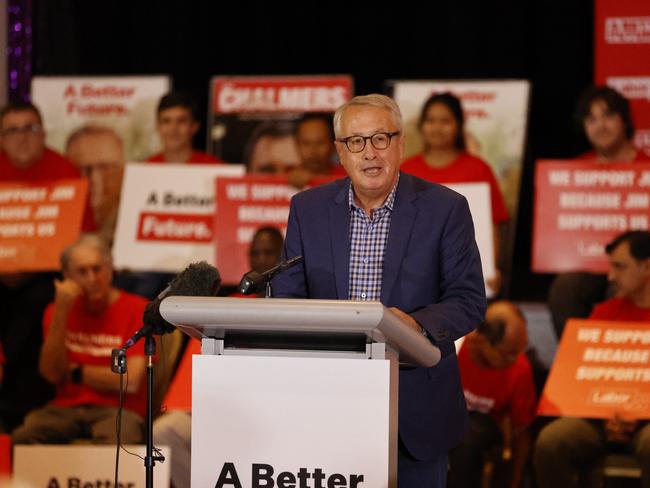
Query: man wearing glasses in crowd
x,y
382,235
24,155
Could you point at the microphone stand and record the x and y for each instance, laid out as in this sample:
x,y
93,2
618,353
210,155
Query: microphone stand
x,y
150,459
118,365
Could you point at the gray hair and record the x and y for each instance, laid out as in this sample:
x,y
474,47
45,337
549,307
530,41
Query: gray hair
x,y
373,100
87,240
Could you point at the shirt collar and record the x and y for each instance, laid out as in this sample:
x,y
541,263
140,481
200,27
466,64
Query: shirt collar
x,y
388,203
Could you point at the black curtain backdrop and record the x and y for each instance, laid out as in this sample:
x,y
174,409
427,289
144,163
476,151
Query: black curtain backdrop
x,y
547,42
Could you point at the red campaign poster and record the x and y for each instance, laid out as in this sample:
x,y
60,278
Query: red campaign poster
x,y
37,221
252,118
242,206
622,57
580,207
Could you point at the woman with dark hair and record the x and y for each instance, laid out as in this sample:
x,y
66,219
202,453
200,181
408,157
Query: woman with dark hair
x,y
444,158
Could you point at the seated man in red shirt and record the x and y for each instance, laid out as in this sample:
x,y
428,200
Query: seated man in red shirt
x,y
177,123
498,384
87,319
568,445
604,116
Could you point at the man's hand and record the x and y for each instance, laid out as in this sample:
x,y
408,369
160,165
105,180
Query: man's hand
x,y
619,430
66,292
410,321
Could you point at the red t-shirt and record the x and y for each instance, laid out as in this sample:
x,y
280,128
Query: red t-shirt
x,y
89,341
52,166
197,157
499,392
639,156
621,309
464,169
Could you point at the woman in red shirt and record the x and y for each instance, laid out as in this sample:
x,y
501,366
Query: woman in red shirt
x,y
444,158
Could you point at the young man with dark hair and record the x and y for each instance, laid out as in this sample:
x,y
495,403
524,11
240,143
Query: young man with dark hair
x,y
604,115
177,123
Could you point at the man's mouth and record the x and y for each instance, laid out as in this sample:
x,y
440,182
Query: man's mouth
x,y
371,171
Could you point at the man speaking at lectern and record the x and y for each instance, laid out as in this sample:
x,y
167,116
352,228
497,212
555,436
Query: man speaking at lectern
x,y
387,236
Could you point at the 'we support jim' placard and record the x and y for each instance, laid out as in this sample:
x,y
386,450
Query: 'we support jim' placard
x,y
37,221
581,206
600,369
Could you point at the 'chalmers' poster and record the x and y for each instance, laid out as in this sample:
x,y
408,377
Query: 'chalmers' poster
x,y
253,117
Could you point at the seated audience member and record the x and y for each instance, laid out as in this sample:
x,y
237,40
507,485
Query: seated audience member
x,y
444,159
271,148
567,446
315,143
24,156
177,123
174,428
500,394
604,116
98,152
86,320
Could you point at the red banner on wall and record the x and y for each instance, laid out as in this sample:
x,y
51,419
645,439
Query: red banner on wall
x,y
622,51
600,369
580,207
37,221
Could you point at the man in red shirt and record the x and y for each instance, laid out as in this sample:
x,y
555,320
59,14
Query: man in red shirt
x,y
87,319
568,445
315,144
604,116
24,155
499,391
98,152
177,124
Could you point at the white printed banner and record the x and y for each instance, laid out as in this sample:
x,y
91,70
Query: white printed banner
x,y
166,214
127,104
84,466
289,421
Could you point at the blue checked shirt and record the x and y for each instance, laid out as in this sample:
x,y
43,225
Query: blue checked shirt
x,y
368,238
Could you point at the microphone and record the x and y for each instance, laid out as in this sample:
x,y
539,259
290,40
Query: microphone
x,y
252,281
197,280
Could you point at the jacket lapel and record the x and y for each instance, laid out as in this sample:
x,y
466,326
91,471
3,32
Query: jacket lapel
x,y
399,234
339,231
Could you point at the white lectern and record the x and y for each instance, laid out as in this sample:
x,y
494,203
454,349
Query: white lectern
x,y
295,393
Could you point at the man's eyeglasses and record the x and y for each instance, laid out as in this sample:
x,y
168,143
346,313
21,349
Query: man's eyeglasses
x,y
28,129
379,140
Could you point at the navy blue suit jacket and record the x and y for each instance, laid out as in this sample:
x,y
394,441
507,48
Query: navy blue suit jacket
x,y
432,271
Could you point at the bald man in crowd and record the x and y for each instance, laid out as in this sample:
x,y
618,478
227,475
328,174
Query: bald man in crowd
x,y
500,394
98,152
